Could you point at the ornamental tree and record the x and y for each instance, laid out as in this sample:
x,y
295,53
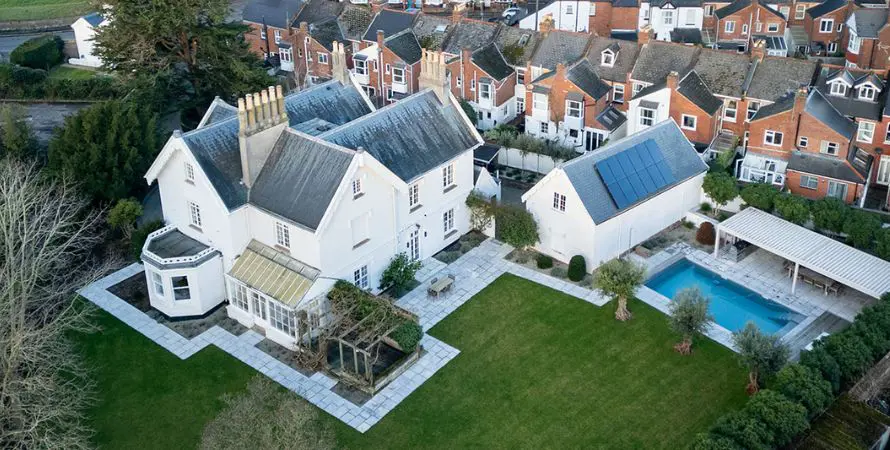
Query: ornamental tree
x,y
399,275
516,226
793,208
689,316
806,386
861,228
829,214
123,216
619,279
762,354
760,195
720,187
782,417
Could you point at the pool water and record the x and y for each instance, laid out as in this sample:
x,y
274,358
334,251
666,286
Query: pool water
x,y
732,304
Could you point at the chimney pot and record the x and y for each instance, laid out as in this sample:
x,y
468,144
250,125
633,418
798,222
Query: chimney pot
x,y
273,104
380,39
304,26
251,112
280,95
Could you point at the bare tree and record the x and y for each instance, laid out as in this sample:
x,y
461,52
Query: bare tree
x,y
47,236
267,417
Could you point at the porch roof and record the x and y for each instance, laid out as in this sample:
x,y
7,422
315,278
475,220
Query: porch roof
x,y
273,273
854,268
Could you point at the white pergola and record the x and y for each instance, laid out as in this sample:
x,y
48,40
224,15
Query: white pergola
x,y
840,262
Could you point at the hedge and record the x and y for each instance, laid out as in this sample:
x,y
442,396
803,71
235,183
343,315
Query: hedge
x,y
42,52
577,268
17,82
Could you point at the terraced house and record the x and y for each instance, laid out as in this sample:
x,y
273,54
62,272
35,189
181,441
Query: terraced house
x,y
312,187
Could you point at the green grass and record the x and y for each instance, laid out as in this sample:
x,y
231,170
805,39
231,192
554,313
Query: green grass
x,y
41,9
72,73
537,368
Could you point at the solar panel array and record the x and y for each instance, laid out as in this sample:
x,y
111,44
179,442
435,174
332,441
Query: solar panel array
x,y
635,173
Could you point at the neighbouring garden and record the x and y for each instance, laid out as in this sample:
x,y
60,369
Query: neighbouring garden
x,y
537,368
16,10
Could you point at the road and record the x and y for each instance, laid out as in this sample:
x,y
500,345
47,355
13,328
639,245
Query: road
x,y
8,42
45,117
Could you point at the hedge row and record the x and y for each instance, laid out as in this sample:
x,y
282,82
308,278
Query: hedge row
x,y
17,82
42,52
801,391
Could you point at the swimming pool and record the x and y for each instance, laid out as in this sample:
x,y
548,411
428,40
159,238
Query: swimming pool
x,y
732,304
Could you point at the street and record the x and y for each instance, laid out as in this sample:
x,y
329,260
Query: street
x,y
8,42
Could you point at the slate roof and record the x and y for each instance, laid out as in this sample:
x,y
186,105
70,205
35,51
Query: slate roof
x,y
785,104
611,118
390,22
216,149
775,77
433,29
739,5
326,33
680,156
404,44
826,7
869,21
624,62
850,105
317,11
354,21
658,59
218,111
650,89
276,13
827,166
508,36
818,107
693,88
686,35
94,19
417,147
490,59
723,72
330,101
582,75
560,47
300,178
469,34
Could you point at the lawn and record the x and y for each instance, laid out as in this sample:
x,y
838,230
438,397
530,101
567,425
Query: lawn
x,y
41,9
537,368
71,73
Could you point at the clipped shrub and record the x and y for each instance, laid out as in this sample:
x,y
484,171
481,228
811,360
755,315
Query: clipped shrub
x,y
559,272
882,244
407,335
782,417
137,240
829,214
42,52
705,207
577,268
861,228
544,261
806,386
743,429
793,208
706,235
516,226
852,355
820,360
399,275
760,195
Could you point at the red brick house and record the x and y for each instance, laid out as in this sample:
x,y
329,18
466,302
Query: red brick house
x,y
610,16
825,27
483,78
269,21
868,45
740,22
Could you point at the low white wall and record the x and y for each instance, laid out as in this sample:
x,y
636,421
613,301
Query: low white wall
x,y
534,162
734,205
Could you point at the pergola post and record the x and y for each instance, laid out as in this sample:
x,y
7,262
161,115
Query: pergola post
x,y
717,241
794,280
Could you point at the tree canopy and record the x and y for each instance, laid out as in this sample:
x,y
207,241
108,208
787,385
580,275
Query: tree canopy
x,y
619,279
689,316
763,354
721,187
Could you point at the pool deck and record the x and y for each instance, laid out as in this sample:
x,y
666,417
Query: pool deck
x,y
762,272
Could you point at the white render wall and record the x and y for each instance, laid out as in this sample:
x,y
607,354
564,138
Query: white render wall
x,y
682,18
662,97
83,36
206,289
568,15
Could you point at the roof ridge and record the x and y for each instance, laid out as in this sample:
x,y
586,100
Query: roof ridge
x,y
323,142
209,127
591,154
412,98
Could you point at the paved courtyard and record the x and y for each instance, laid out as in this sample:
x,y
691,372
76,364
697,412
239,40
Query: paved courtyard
x,y
473,271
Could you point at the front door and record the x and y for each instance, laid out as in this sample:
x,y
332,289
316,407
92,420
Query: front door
x,y
884,171
414,245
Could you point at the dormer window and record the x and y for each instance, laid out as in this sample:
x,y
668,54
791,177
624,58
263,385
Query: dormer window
x,y
867,92
838,88
608,58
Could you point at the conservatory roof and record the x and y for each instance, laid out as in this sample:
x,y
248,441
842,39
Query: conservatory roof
x,y
854,268
273,273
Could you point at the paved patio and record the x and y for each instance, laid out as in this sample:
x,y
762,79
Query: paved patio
x,y
473,271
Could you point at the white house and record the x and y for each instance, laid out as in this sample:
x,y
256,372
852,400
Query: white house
x,y
664,16
602,204
84,33
567,15
269,203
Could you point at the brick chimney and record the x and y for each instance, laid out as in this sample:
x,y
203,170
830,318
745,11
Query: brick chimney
x,y
800,101
758,50
261,119
304,27
673,80
339,68
560,71
380,39
646,34
433,75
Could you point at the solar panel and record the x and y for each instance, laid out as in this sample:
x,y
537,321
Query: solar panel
x,y
635,173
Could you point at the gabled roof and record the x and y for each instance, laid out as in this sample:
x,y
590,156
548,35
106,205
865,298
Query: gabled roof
x,y
624,62
681,158
317,11
492,62
693,88
776,77
218,111
650,89
354,21
826,7
582,75
326,33
849,104
658,59
417,147
841,74
514,36
433,30
560,47
470,35
822,110
783,105
331,101
405,46
390,22
826,166
275,13
300,178
868,21
739,5
724,73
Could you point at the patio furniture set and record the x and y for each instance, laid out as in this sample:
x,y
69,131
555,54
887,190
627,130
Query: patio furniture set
x,y
812,278
439,286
